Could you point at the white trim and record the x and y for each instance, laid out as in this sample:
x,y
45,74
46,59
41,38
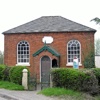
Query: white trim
x,y
17,54
40,69
67,53
23,64
40,64
71,64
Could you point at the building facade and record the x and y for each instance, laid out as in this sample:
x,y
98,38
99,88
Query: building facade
x,y
47,42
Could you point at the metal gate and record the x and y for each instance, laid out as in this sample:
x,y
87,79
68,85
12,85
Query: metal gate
x,y
45,72
32,82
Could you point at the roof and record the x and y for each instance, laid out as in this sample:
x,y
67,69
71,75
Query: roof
x,y
50,24
47,48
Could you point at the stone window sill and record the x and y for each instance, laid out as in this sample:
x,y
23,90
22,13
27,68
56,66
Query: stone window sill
x,y
71,64
23,64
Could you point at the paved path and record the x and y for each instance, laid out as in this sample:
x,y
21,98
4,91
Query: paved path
x,y
22,95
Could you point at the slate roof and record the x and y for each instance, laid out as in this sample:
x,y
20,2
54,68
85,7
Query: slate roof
x,y
50,24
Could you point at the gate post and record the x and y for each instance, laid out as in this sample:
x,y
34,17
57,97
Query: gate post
x,y
51,84
25,79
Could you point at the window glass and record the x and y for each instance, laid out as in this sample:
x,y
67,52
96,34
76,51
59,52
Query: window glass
x,y
23,52
73,50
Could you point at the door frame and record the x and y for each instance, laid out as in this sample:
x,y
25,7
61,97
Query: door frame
x,y
40,64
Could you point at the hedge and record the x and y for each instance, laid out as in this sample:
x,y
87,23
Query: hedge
x,y
96,71
5,76
2,67
16,74
75,79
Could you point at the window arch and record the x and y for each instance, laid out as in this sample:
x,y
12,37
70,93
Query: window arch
x,y
23,52
73,50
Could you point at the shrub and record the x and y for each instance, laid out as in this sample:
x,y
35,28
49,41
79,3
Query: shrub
x,y
2,67
75,79
90,84
16,74
89,60
96,71
67,78
5,76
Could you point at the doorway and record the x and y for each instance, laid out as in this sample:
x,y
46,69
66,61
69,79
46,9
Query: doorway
x,y
45,72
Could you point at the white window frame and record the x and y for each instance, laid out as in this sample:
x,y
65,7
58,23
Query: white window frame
x,y
71,63
23,63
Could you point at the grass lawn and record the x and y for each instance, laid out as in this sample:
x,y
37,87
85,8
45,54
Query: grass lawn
x,y
10,86
66,94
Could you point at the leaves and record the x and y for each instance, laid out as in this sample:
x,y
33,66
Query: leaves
x,y
89,60
1,57
97,20
81,80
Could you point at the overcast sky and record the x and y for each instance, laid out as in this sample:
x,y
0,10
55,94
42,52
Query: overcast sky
x,y
16,12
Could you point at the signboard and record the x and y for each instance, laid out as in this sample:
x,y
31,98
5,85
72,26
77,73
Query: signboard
x,y
47,39
75,63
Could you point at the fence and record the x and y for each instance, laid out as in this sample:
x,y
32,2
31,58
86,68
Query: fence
x,y
30,83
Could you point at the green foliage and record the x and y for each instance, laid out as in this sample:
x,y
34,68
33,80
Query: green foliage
x,y
90,84
5,76
1,57
67,94
89,60
97,74
67,78
88,54
16,74
10,85
58,91
2,67
96,19
75,79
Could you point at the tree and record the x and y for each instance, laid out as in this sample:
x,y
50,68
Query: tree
x,y
97,20
89,60
97,47
1,57
89,54
97,42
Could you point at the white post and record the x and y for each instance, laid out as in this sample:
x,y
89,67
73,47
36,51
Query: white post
x,y
25,79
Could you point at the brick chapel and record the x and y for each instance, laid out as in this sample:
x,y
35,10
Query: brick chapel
x,y
47,42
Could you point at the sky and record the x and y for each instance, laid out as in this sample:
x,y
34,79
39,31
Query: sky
x,y
17,12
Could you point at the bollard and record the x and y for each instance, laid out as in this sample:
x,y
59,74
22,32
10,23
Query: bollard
x,y
25,79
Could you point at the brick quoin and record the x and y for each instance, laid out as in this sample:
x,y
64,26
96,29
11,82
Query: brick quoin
x,y
60,41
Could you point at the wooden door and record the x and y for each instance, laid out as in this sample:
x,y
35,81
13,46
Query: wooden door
x,y
45,72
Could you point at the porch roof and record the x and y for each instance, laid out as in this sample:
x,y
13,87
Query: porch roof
x,y
47,48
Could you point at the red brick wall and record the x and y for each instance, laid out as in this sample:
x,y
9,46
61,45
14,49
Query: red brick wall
x,y
35,41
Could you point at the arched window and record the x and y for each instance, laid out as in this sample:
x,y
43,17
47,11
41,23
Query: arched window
x,y
73,50
23,52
